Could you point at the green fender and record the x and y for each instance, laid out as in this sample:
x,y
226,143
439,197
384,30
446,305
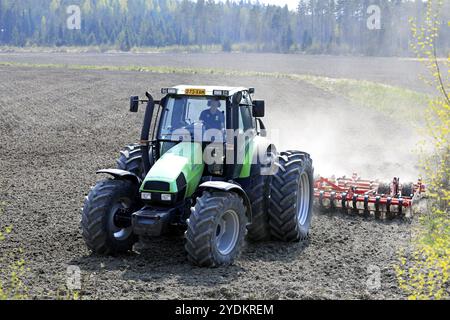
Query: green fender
x,y
257,146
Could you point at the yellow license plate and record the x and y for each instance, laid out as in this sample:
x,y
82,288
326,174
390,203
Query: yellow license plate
x,y
196,92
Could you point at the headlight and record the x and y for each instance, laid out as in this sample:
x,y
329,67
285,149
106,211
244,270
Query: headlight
x,y
166,197
146,196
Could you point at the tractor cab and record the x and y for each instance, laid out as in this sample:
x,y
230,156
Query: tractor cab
x,y
186,110
222,121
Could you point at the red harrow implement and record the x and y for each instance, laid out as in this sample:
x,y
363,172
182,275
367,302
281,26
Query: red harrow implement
x,y
366,196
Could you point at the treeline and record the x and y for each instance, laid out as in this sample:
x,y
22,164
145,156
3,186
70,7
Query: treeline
x,y
317,26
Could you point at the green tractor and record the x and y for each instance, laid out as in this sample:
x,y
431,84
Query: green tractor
x,y
208,171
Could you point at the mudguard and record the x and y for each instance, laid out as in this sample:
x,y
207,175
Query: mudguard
x,y
122,174
228,186
258,148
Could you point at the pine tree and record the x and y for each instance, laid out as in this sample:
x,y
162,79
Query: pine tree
x,y
320,26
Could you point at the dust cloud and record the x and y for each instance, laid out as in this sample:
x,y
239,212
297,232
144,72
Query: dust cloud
x,y
343,137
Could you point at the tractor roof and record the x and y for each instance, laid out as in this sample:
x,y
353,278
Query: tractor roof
x,y
207,90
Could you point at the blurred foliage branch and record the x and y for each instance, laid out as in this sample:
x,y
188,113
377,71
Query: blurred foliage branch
x,y
12,285
423,273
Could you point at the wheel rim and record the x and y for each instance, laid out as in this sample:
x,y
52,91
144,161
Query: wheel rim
x,y
117,232
227,232
303,199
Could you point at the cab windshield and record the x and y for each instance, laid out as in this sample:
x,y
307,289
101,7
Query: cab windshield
x,y
185,115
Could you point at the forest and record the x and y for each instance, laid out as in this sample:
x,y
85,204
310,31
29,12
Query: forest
x,y
317,26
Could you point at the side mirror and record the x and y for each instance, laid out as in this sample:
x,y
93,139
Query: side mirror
x,y
259,108
251,90
261,128
237,98
134,104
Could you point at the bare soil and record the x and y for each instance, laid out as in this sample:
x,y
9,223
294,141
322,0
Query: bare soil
x,y
395,71
59,126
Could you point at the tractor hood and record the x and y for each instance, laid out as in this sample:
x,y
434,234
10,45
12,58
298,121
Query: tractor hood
x,y
178,170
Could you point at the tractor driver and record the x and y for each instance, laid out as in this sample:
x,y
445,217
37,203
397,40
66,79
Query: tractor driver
x,y
213,118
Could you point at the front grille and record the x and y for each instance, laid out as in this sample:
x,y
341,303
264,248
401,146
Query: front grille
x,y
181,187
181,182
157,186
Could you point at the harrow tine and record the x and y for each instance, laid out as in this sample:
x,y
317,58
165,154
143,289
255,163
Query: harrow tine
x,y
388,208
400,207
332,198
355,203
321,205
344,201
366,205
377,208
409,212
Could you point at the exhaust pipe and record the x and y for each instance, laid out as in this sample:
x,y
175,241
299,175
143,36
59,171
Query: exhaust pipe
x,y
146,132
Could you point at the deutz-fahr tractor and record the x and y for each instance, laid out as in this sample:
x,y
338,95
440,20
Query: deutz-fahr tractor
x,y
204,167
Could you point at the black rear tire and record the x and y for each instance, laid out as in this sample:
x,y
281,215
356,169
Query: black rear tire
x,y
203,237
258,193
131,160
287,224
98,223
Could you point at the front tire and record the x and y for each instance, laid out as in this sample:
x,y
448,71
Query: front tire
x,y
102,231
216,229
292,196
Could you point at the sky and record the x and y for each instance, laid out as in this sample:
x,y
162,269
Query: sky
x,y
292,4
